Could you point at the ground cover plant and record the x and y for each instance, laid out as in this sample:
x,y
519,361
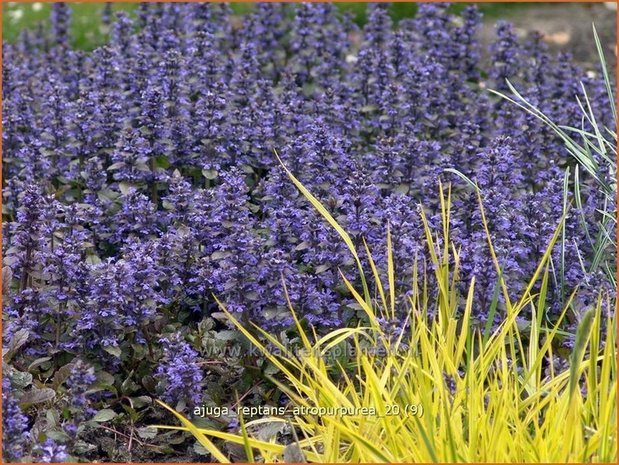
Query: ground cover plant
x,y
17,17
442,392
151,226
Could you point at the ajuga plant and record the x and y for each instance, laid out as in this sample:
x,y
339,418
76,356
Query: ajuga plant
x,y
140,180
435,389
594,145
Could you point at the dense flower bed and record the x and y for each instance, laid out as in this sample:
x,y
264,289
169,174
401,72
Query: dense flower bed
x,y
140,179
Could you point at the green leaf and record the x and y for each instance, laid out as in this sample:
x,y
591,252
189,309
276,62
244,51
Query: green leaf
x,y
52,417
103,377
147,432
271,369
199,448
302,246
210,174
142,166
21,379
607,80
104,415
125,187
133,414
58,436
162,162
219,254
116,166
322,268
226,335
93,259
128,386
149,383
113,350
582,336
107,194
462,176
141,401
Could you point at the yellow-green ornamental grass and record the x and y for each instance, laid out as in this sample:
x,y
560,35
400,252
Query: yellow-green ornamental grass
x,y
444,392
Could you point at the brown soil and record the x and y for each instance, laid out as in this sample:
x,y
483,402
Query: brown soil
x,y
567,27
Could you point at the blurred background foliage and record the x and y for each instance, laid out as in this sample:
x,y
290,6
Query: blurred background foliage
x,y
88,32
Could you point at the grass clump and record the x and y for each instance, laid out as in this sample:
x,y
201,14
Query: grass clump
x,y
437,389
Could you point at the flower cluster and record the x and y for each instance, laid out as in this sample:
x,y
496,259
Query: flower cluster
x,y
15,434
50,452
80,379
181,374
140,179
